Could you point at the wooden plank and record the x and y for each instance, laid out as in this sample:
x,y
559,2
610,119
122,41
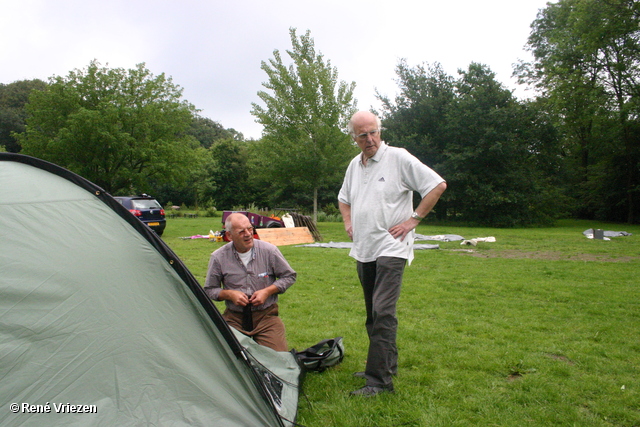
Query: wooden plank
x,y
285,236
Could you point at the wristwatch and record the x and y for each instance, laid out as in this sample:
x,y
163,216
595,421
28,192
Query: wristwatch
x,y
416,216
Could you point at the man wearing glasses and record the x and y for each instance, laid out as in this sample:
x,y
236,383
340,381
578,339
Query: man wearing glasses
x,y
248,275
376,203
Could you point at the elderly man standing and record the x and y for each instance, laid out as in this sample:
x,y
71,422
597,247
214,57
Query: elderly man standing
x,y
376,203
248,275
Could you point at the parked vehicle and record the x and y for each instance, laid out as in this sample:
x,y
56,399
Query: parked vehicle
x,y
146,209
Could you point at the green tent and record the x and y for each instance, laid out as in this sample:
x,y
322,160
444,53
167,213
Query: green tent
x,y
101,324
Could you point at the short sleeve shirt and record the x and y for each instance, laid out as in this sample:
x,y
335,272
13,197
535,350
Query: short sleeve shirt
x,y
381,195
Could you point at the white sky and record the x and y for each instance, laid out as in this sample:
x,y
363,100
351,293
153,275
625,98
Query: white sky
x,y
213,48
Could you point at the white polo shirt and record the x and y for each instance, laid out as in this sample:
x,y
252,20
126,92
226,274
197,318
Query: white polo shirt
x,y
381,195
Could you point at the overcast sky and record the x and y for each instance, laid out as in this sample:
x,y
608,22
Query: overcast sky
x,y
213,48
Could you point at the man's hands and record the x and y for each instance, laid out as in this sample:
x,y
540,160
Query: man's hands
x,y
349,229
260,297
345,211
401,230
426,205
241,299
236,297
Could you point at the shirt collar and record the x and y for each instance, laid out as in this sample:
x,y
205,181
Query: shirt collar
x,y
252,250
381,150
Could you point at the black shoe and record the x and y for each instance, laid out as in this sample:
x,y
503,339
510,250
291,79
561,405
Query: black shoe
x,y
370,391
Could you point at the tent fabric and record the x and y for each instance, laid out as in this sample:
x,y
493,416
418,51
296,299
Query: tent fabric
x,y
96,310
279,370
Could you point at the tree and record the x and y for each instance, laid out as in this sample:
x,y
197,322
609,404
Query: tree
x,y
125,130
495,153
587,66
420,112
200,188
13,97
305,145
207,131
229,174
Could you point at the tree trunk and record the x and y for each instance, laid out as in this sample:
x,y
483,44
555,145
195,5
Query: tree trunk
x,y
315,205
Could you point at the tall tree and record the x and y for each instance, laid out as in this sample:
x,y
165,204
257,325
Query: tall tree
x,y
587,66
207,131
229,174
305,118
420,111
13,98
495,153
125,130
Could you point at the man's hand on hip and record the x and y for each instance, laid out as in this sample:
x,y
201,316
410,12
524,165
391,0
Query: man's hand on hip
x,y
401,230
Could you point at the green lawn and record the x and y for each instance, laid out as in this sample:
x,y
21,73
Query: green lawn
x,y
540,328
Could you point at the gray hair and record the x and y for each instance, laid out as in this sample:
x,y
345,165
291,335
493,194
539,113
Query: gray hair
x,y
228,223
352,133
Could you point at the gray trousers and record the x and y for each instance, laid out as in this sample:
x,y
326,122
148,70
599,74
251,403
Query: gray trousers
x,y
381,281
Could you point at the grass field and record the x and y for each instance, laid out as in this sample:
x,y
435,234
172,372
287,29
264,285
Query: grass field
x,y
540,328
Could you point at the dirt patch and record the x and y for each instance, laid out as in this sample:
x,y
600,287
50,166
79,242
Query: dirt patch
x,y
545,255
518,372
514,377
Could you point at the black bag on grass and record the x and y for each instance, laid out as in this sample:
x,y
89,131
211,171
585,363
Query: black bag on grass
x,y
321,356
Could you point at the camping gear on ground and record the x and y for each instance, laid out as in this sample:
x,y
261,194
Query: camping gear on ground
x,y
325,354
96,312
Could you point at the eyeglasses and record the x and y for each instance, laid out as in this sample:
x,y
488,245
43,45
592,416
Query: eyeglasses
x,y
249,230
364,136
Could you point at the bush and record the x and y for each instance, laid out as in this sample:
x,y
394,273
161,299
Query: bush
x,y
210,212
331,209
326,217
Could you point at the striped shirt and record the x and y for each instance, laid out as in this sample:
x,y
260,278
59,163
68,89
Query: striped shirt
x,y
267,267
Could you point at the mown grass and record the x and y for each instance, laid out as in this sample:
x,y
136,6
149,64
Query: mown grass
x,y
540,328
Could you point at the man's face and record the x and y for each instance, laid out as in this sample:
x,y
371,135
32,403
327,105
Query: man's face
x,y
241,233
365,127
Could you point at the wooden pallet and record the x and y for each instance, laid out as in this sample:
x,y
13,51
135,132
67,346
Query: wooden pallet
x,y
285,236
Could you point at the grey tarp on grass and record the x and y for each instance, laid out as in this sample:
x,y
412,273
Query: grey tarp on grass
x,y
606,233
91,313
348,245
417,246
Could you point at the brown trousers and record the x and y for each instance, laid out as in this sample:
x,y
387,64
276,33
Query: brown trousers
x,y
268,328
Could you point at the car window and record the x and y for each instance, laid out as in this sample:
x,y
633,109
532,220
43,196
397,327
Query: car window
x,y
146,204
